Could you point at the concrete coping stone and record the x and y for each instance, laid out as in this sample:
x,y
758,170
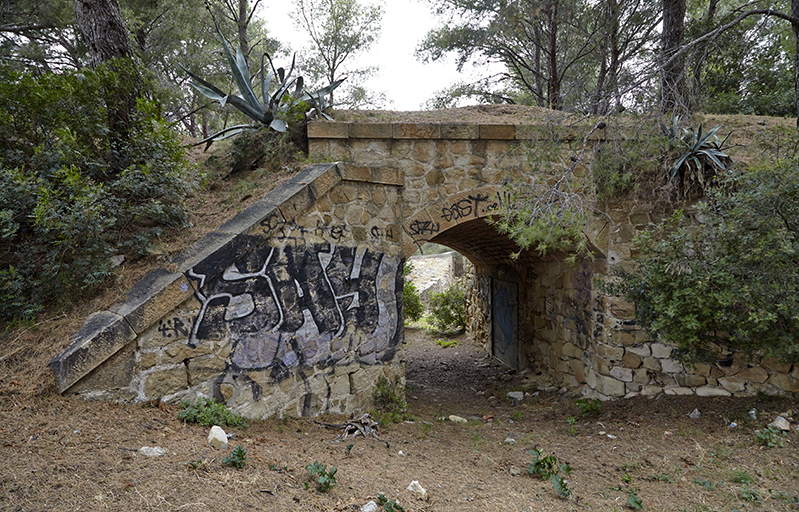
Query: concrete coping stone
x,y
440,131
102,336
153,296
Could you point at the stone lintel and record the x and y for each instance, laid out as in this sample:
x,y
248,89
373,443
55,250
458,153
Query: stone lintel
x,y
101,337
369,174
498,131
371,130
328,130
416,131
460,131
152,297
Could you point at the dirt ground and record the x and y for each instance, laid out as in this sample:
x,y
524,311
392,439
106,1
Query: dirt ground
x,y
61,454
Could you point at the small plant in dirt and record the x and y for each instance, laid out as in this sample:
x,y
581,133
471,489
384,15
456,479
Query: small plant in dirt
x,y
741,477
389,506
206,412
746,493
411,300
517,416
448,309
572,429
633,501
237,458
447,343
589,407
323,478
390,401
543,466
770,437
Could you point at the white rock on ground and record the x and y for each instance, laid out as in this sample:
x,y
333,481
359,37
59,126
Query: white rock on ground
x,y
217,438
415,487
695,414
780,423
369,507
457,419
152,451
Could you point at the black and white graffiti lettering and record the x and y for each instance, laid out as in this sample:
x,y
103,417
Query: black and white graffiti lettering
x,y
467,207
299,304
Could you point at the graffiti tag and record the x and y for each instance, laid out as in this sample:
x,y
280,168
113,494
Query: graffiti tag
x,y
424,227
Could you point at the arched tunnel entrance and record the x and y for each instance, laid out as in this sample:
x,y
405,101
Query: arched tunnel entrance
x,y
535,313
521,306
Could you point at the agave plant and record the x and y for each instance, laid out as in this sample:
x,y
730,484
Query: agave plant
x,y
267,112
704,157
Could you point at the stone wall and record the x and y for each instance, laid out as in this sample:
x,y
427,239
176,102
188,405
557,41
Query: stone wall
x,y
294,306
291,308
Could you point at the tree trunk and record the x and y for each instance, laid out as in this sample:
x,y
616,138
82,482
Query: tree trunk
x,y
553,85
106,37
795,25
672,72
242,23
103,29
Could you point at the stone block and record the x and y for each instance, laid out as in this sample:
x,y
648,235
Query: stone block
x,y
661,351
671,366
702,369
609,386
320,177
360,381
460,131
572,351
680,391
712,391
775,365
732,369
294,199
650,390
753,374
388,176
785,382
113,374
600,364
152,297
102,336
641,351
200,370
610,352
641,376
631,360
416,131
327,130
732,384
371,131
650,363
165,382
622,374
690,380
622,309
497,131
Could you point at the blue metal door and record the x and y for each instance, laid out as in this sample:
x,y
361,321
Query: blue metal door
x,y
504,332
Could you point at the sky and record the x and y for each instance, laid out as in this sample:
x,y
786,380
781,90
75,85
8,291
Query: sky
x,y
406,82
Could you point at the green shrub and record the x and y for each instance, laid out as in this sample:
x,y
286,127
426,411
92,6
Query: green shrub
x,y
412,302
390,401
448,309
731,282
588,407
69,199
324,479
237,457
206,412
